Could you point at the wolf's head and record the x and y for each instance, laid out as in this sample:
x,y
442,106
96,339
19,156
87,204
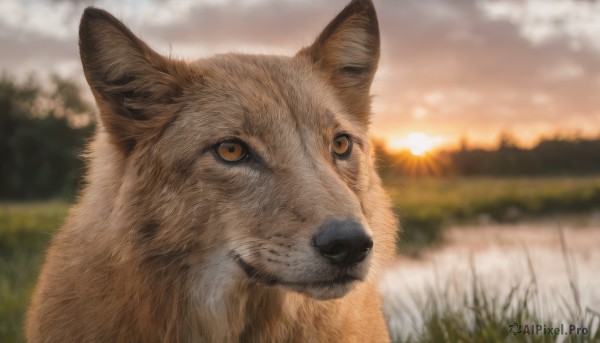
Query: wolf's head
x,y
258,167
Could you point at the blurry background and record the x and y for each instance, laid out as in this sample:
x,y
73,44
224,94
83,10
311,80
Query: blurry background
x,y
487,123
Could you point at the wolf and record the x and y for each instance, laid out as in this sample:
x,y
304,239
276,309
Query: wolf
x,y
230,199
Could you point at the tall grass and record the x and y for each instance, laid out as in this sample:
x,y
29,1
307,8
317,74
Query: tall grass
x,y
25,231
473,311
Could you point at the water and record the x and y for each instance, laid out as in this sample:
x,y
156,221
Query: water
x,y
500,256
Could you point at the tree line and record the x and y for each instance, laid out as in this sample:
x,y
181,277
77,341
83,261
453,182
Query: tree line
x,y
553,156
44,129
45,126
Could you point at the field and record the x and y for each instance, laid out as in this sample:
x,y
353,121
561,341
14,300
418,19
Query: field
x,y
25,230
425,206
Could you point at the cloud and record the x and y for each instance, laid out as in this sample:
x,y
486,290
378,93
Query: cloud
x,y
487,72
461,67
542,20
274,23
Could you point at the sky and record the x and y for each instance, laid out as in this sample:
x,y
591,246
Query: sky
x,y
453,70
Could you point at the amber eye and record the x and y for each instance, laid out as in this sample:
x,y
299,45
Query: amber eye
x,y
342,145
231,151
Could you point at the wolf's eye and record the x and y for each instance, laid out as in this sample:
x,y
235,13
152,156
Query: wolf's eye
x,y
342,145
231,151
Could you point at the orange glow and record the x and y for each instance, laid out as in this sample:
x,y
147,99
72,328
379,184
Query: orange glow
x,y
418,143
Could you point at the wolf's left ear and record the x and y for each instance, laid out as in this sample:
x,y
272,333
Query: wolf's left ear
x,y
347,51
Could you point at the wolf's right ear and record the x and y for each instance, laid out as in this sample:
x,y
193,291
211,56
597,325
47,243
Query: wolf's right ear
x,y
134,86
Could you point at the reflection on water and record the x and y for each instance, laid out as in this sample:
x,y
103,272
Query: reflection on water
x,y
500,255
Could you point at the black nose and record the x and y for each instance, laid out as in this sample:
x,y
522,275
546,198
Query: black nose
x,y
344,243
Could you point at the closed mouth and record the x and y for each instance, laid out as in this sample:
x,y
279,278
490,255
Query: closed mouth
x,y
255,273
270,280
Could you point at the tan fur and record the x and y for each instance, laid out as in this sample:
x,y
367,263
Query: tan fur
x,y
148,253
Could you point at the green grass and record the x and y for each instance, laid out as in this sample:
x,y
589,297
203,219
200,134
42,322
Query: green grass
x,y
484,314
425,205
25,231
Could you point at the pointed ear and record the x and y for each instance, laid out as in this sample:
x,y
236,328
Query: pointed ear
x,y
134,86
347,51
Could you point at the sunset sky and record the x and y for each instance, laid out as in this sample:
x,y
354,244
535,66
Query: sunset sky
x,y
449,68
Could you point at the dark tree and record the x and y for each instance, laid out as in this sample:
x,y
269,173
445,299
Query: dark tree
x,y
43,134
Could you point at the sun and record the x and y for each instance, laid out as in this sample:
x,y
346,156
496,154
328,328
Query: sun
x,y
415,153
419,143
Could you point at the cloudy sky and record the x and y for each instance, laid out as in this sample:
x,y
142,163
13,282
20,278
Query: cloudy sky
x,y
449,69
